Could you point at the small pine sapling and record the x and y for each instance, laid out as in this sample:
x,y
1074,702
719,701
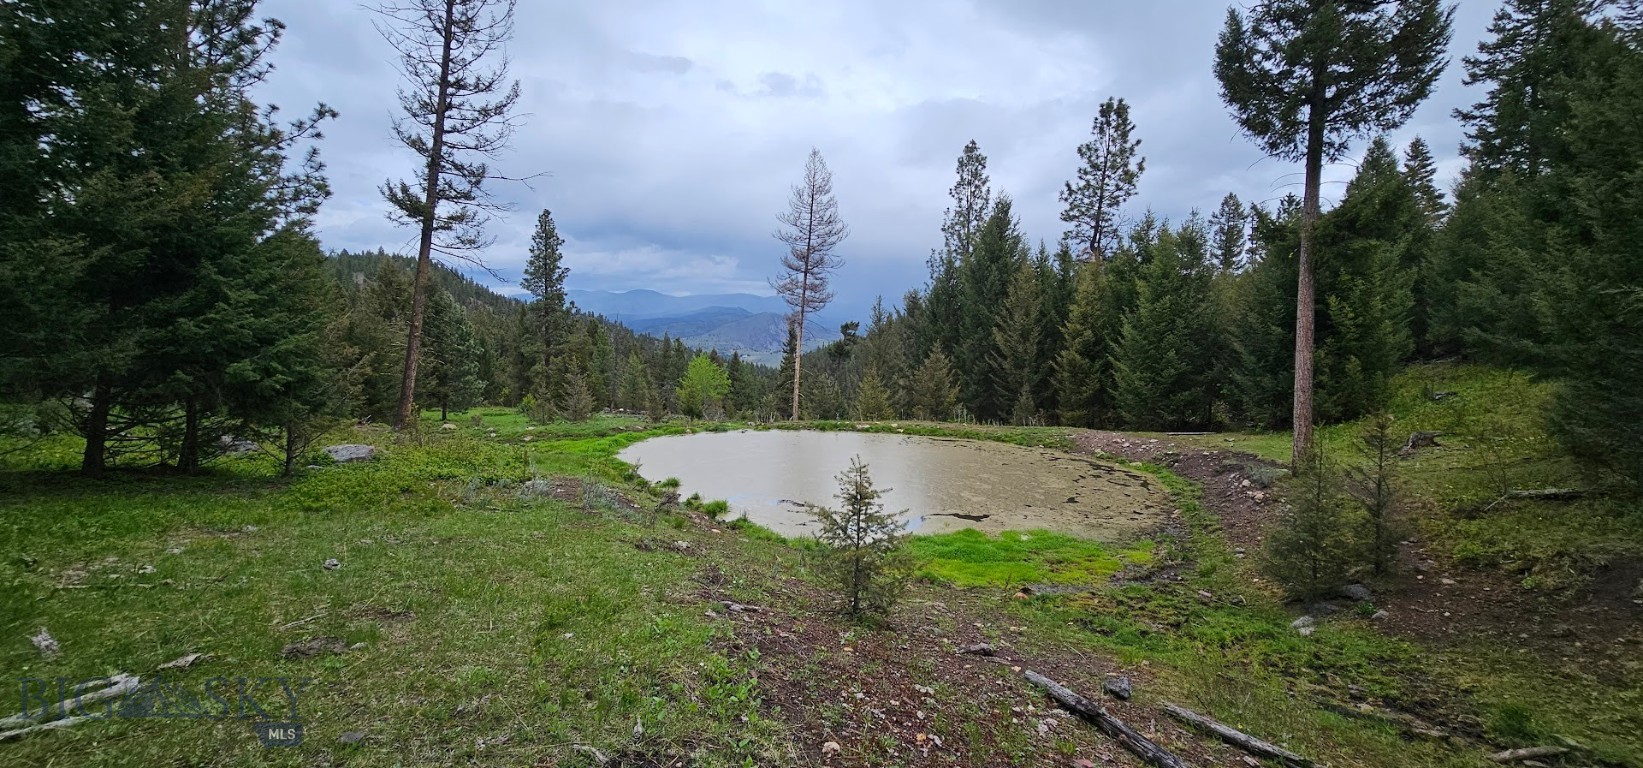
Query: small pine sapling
x,y
864,556
1310,549
1374,487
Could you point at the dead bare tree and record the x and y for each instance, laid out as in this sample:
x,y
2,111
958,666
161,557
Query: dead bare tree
x,y
458,104
812,229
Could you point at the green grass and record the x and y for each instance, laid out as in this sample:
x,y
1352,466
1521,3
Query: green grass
x,y
969,558
485,612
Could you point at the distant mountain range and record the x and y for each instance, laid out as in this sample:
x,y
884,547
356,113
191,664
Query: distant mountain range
x,y
755,326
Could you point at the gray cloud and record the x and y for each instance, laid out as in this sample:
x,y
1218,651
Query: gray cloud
x,y
671,132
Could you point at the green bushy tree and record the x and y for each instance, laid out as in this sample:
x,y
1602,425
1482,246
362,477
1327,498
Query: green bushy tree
x,y
863,552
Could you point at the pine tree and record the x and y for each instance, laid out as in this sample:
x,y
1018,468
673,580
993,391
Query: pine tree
x,y
933,392
1229,226
940,321
1263,339
863,545
1536,46
1015,357
576,401
1364,329
1593,296
1080,369
1304,76
812,231
1308,551
985,281
637,386
1420,172
1373,486
1160,374
457,112
450,365
872,400
1106,180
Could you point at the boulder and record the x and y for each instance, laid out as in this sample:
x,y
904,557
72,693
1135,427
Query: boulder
x,y
448,427
1357,592
1305,622
342,454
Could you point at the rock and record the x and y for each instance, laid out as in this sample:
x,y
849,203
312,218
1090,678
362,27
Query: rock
x,y
1304,622
233,446
342,454
182,662
332,564
979,649
1117,687
317,646
1357,592
1307,631
1380,615
1447,582
831,748
448,427
351,737
46,644
1323,609
357,647
526,438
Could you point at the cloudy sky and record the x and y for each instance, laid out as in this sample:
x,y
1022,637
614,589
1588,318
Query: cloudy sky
x,y
672,131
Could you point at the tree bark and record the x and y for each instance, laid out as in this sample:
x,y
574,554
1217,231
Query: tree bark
x,y
419,287
1238,738
798,357
188,452
1141,746
1305,290
94,460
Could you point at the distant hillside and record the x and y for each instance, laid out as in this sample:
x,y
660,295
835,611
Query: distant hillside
x,y
755,326
353,267
757,336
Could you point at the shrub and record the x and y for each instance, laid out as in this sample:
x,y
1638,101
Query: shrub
x,y
863,556
1310,549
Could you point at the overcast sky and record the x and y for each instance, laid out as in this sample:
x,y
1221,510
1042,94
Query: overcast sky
x,y
672,131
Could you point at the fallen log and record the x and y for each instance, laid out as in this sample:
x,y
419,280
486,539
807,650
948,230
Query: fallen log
x,y
1141,746
118,685
1546,494
1526,753
1237,738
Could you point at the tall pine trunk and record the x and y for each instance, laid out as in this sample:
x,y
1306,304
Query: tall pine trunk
x,y
188,452
1305,289
798,357
424,257
95,460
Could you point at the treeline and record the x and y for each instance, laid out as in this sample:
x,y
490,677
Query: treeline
x,y
165,298
1191,324
554,362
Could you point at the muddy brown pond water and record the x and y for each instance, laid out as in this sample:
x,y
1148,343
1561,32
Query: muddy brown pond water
x,y
943,484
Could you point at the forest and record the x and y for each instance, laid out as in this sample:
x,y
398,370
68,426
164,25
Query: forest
x,y
1352,471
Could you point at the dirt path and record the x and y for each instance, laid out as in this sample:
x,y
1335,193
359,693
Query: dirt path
x,y
1434,600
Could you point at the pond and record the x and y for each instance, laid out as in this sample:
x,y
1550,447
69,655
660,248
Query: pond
x,y
943,484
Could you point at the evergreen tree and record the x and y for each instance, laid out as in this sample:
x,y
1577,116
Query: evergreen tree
x,y
1373,486
813,229
1536,46
576,401
1302,77
1015,357
1262,382
872,400
457,112
1592,298
1364,328
450,364
985,279
940,323
1106,181
1228,228
637,386
933,394
1160,374
1420,172
863,545
1308,551
1080,369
